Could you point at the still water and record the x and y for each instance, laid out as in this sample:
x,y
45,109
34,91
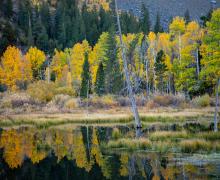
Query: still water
x,y
79,153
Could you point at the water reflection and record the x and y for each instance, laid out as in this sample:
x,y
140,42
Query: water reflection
x,y
28,153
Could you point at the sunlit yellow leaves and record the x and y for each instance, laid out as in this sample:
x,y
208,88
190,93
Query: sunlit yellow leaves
x,y
77,59
14,68
177,26
211,49
58,62
36,57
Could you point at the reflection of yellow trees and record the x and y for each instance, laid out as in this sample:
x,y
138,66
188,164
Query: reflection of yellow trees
x,y
37,156
79,151
12,143
124,164
18,144
97,154
60,149
169,173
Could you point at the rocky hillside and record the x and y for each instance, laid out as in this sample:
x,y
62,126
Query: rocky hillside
x,y
170,8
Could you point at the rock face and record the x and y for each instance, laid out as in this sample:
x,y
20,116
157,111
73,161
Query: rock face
x,y
170,8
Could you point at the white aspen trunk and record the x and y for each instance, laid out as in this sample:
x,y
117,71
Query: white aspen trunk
x,y
87,105
127,76
154,73
48,72
180,44
216,107
147,79
197,62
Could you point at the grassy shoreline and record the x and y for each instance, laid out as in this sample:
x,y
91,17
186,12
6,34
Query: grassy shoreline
x,y
158,116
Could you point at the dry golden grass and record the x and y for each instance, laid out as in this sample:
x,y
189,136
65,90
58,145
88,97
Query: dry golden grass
x,y
105,116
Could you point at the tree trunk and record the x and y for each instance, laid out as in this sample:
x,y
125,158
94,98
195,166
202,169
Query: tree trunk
x,y
216,107
180,44
147,79
48,72
154,72
197,62
131,95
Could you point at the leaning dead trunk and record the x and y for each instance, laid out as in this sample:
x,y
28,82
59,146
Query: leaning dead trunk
x,y
216,107
127,76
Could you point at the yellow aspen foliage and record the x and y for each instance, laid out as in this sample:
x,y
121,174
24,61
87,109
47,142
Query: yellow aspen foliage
x,y
152,50
193,35
36,57
211,49
177,26
164,43
97,3
14,68
58,62
77,59
69,80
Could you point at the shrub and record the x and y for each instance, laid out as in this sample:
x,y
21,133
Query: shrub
x,y
194,145
16,100
151,104
162,146
164,135
59,100
212,136
202,101
130,144
42,91
100,102
140,100
116,134
123,101
65,90
71,103
163,100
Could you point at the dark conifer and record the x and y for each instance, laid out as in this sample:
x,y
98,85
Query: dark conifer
x,y
100,80
86,78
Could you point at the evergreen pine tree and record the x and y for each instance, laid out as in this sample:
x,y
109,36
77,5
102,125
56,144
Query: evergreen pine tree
x,y
24,11
60,33
100,80
8,37
187,16
30,36
8,8
158,28
160,69
145,20
86,78
42,40
45,16
114,78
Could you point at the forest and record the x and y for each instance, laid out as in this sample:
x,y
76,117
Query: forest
x,y
88,91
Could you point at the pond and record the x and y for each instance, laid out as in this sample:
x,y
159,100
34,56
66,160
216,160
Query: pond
x,y
79,152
